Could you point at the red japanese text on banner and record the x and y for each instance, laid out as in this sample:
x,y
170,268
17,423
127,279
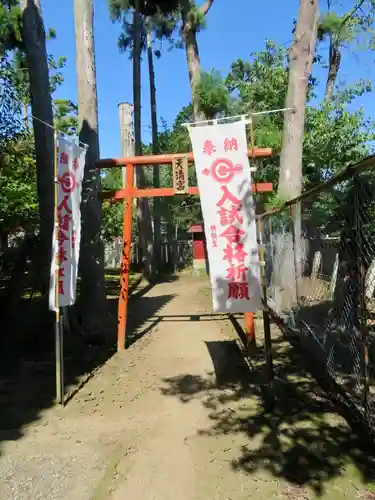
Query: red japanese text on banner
x,y
224,180
67,232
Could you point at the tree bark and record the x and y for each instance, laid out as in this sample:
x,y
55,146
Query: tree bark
x,y
137,81
192,52
3,243
143,212
34,38
155,149
194,66
92,296
301,57
126,132
334,50
333,70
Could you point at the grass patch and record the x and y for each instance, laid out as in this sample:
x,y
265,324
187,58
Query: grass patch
x,y
112,282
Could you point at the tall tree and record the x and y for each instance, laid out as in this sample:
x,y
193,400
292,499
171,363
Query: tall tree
x,y
343,30
192,18
92,296
147,17
143,209
34,38
163,26
155,142
301,56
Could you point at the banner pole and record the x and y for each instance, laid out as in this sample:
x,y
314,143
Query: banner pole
x,y
58,323
60,359
249,316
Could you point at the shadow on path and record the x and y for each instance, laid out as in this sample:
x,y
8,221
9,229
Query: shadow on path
x,y
29,387
302,438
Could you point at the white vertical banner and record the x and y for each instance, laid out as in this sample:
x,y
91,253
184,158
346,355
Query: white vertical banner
x,y
67,231
224,181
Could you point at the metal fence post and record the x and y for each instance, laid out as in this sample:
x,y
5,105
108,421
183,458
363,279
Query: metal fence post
x,y
295,215
361,278
266,314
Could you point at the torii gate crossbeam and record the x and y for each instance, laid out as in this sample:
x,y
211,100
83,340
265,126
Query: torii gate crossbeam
x,y
129,192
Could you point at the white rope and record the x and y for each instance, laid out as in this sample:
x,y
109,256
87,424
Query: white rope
x,y
59,131
247,118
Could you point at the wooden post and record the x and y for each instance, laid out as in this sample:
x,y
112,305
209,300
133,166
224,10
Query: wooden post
x,y
125,113
250,328
125,260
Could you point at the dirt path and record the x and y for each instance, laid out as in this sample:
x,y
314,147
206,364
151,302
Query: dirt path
x,y
177,417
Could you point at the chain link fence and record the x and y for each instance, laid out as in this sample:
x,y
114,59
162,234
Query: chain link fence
x,y
320,277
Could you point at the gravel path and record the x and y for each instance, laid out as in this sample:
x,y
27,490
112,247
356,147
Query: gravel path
x,y
173,417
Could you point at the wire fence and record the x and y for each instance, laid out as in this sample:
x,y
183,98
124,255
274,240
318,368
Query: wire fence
x,y
320,277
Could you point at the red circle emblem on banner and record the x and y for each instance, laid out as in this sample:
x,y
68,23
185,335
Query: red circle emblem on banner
x,y
68,182
223,170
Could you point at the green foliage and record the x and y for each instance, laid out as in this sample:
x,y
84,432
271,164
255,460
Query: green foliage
x,y
162,23
113,213
261,83
275,201
56,75
213,95
146,7
18,197
10,26
164,27
18,201
351,31
65,116
334,134
335,26
353,26
196,20
10,108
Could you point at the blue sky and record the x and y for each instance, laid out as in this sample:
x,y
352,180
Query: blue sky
x,y
234,29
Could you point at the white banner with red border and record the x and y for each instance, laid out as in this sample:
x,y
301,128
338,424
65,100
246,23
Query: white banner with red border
x,y
67,231
224,181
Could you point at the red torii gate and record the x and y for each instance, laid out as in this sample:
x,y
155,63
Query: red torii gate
x,y
179,164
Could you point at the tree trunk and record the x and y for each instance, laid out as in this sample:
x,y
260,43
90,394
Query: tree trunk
x,y
189,33
34,37
137,82
154,119
155,149
192,57
4,247
301,57
333,70
92,296
143,212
